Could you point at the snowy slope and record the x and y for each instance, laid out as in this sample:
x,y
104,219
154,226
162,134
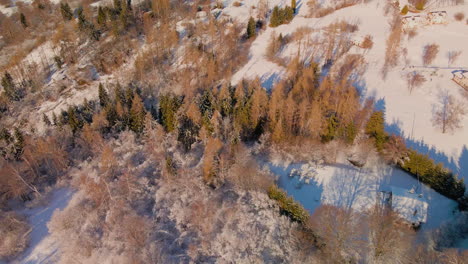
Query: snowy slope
x,y
43,248
409,115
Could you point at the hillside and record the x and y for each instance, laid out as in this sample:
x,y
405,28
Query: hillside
x,y
234,131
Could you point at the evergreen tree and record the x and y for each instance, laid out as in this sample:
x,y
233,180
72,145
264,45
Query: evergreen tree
x,y
9,87
293,5
5,135
275,17
111,114
73,120
168,106
102,17
23,20
19,144
251,28
46,119
188,132
119,94
66,11
103,96
82,23
129,97
330,130
375,128
117,6
137,115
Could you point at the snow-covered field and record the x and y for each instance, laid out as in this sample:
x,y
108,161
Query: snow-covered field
x,y
349,187
409,115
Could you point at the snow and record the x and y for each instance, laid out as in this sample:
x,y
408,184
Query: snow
x,y
409,115
43,248
346,186
409,204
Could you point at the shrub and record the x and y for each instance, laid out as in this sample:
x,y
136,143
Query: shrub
x,y
367,43
459,16
404,10
288,206
236,4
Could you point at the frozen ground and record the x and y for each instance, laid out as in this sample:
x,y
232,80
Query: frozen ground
x,y
409,115
43,248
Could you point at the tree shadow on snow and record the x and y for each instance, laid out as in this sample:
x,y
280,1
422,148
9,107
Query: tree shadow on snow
x,y
308,194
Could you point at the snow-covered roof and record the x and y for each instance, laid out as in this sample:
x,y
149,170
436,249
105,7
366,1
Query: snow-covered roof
x,y
409,205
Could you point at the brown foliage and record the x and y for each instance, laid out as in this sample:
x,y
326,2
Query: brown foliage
x,y
429,54
367,43
14,231
459,16
414,79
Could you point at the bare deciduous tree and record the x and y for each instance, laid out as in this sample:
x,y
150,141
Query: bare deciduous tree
x,y
389,239
448,113
453,56
414,79
430,53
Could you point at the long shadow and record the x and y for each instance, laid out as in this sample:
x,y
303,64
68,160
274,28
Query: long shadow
x,y
459,166
352,188
308,194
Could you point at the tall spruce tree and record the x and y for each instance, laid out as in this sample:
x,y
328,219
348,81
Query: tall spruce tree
x,y
375,128
102,17
23,20
137,115
9,87
103,96
251,28
66,11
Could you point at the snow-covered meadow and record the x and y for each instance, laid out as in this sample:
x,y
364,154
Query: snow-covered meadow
x,y
407,114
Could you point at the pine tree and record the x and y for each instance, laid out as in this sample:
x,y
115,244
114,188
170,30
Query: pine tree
x,y
82,23
66,11
102,17
129,97
118,6
137,115
330,131
9,87
103,96
23,20
375,128
5,135
168,106
111,114
251,28
46,119
119,94
275,17
73,120
293,5
19,143
188,132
